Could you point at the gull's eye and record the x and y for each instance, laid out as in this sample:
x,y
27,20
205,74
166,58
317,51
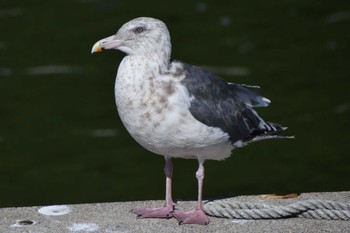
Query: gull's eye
x,y
139,29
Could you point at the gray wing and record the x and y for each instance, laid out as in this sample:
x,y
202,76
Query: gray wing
x,y
227,106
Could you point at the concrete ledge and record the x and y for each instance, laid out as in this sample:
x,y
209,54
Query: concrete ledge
x,y
116,217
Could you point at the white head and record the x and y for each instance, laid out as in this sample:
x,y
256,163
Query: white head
x,y
140,36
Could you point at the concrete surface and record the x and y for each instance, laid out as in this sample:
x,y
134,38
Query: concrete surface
x,y
116,217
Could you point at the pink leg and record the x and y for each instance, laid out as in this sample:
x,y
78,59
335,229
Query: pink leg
x,y
167,210
196,216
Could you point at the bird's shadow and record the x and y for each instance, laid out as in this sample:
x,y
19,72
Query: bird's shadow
x,y
205,201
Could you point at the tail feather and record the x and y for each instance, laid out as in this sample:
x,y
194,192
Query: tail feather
x,y
268,131
271,131
264,137
248,96
260,129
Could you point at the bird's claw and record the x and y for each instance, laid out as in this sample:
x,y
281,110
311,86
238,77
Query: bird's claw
x,y
196,216
162,212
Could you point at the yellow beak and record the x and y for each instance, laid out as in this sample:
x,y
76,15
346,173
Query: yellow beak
x,y
96,48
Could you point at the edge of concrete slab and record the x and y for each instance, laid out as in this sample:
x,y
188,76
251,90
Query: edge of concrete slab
x,y
116,217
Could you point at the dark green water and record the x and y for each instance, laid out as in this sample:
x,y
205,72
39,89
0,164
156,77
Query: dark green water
x,y
61,140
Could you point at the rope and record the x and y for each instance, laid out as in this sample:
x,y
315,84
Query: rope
x,y
313,209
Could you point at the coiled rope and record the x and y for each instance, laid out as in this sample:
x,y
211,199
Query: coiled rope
x,y
313,209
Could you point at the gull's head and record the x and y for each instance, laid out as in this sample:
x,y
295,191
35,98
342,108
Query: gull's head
x,y
140,36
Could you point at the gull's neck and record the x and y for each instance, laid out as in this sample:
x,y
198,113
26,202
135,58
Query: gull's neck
x,y
158,62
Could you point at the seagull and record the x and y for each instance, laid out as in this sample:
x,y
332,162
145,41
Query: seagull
x,y
178,110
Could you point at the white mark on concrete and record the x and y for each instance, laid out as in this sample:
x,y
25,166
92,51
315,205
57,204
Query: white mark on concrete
x,y
115,230
84,227
240,221
23,223
54,210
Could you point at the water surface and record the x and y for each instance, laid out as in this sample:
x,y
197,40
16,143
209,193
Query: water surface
x,y
61,140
